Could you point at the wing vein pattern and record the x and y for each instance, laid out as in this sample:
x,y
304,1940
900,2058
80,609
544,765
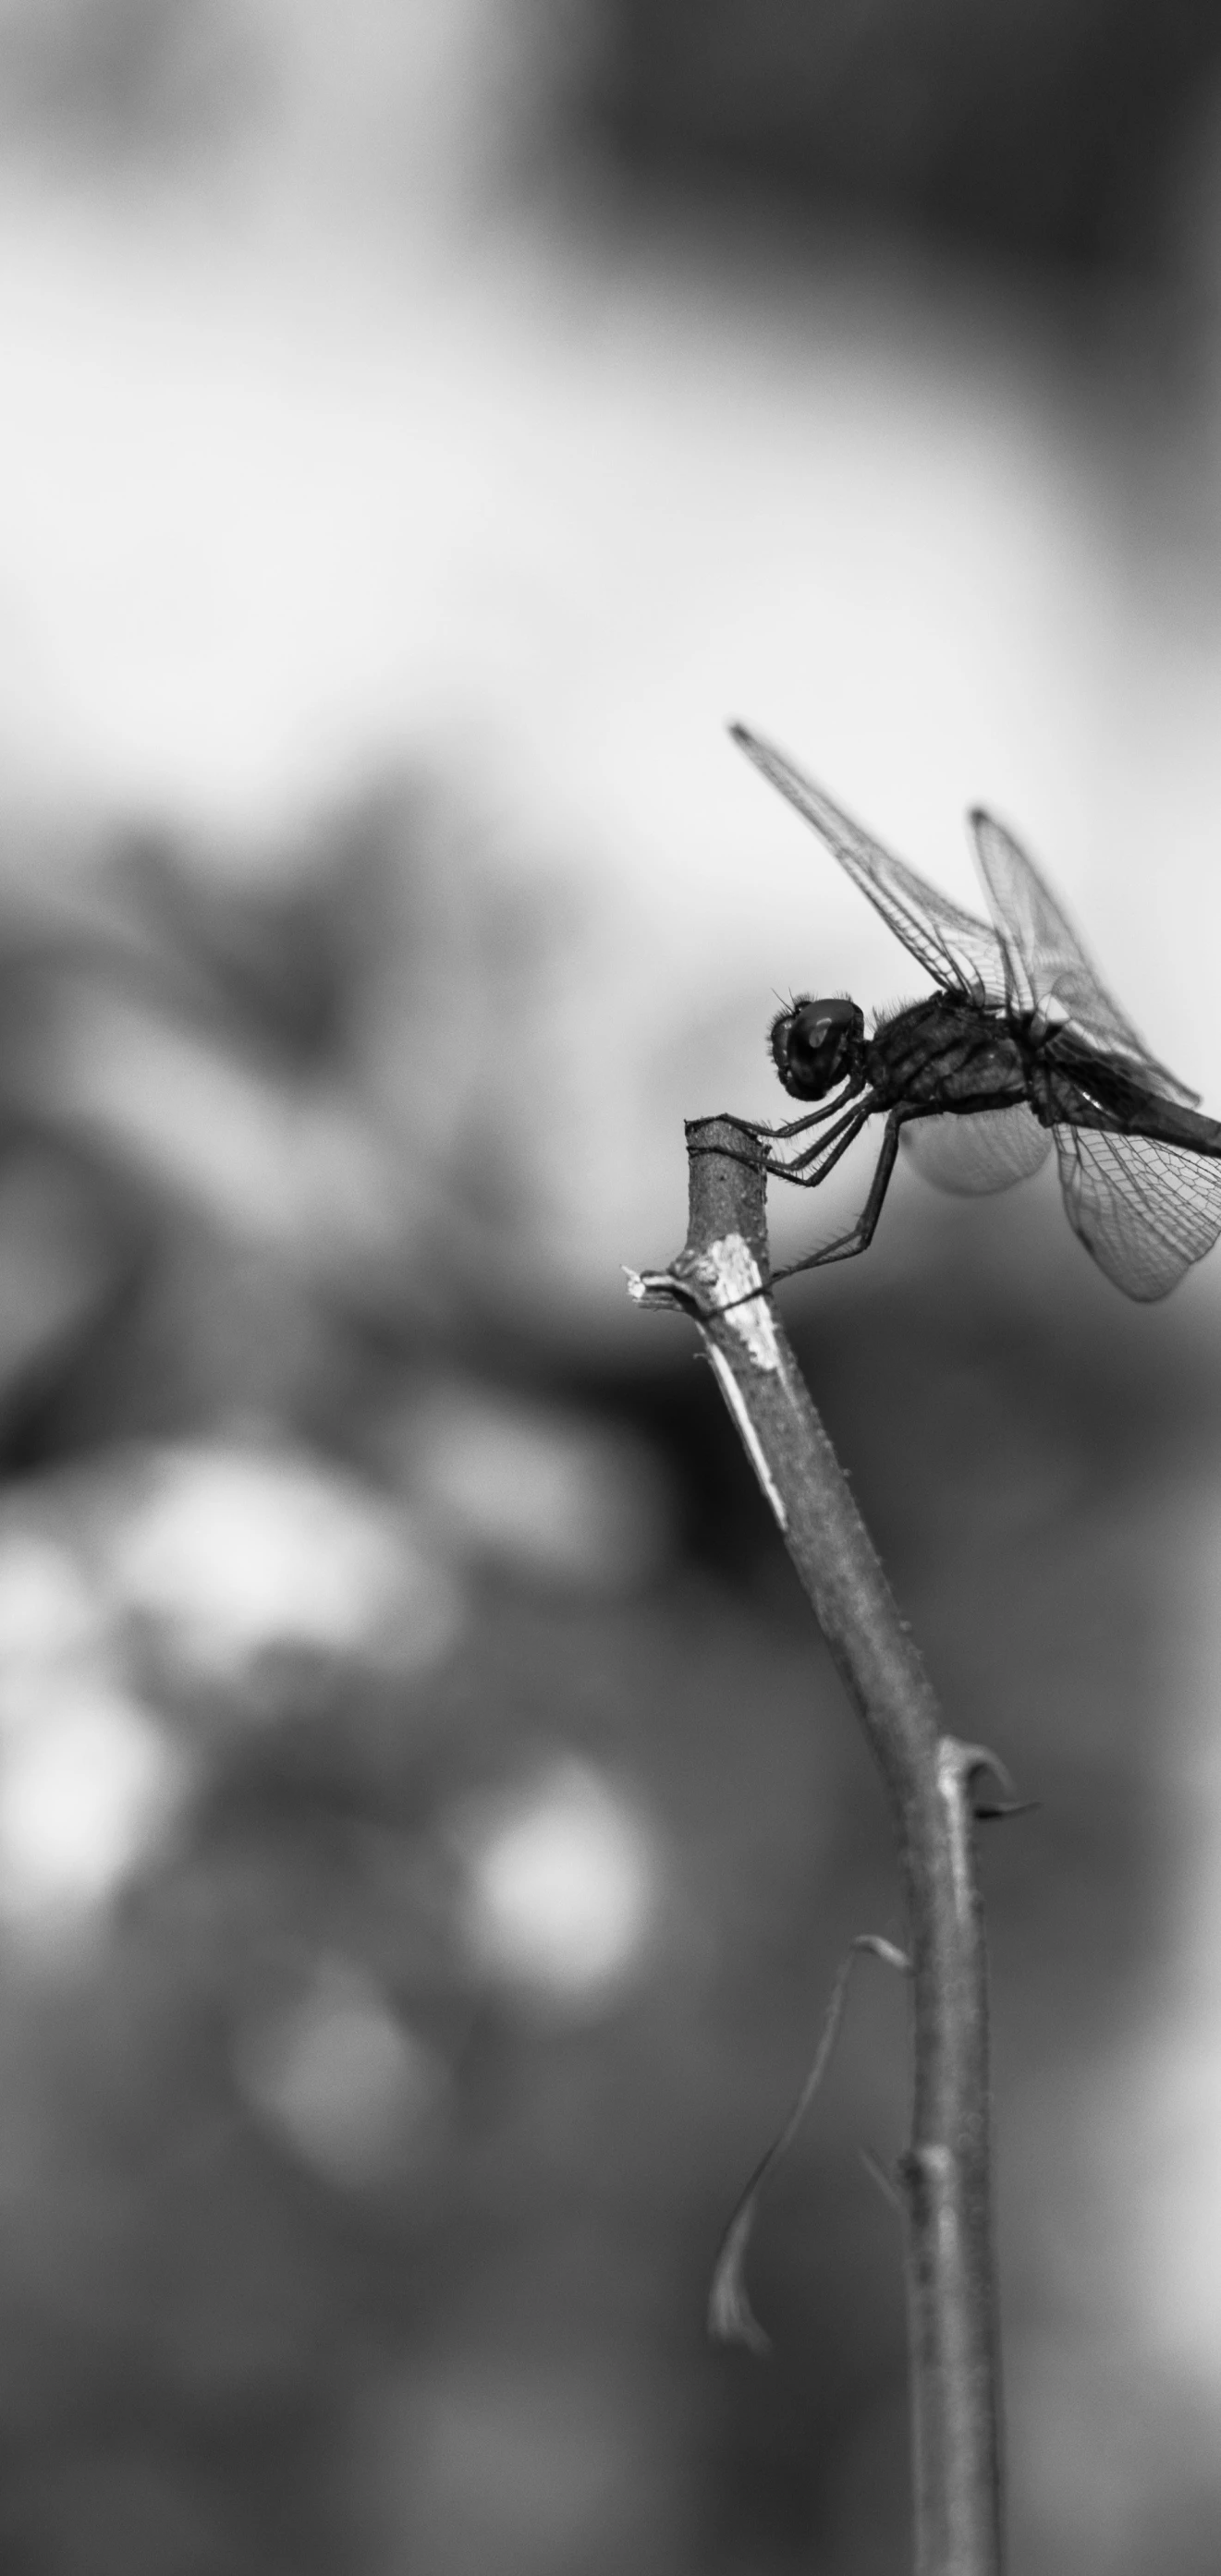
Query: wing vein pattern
x,y
960,953
1145,1210
1047,961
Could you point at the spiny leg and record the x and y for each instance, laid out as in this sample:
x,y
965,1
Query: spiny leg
x,y
792,1127
852,1124
823,1155
846,1246
799,1126
840,1136
848,1125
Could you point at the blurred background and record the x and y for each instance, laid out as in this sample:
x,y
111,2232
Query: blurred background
x,y
428,1822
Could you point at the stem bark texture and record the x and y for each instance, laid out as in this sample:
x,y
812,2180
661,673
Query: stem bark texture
x,y
719,1278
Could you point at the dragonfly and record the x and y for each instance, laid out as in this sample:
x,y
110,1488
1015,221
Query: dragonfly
x,y
1019,1049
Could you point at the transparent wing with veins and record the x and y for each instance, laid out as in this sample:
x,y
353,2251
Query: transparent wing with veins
x,y
1146,1210
1047,963
961,954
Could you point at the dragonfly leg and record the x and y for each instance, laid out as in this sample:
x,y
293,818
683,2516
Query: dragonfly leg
x,y
846,1127
793,1126
799,1126
846,1246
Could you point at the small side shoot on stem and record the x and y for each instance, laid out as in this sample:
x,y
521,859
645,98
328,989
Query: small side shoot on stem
x,y
731,2318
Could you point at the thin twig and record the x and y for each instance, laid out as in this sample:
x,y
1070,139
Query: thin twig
x,y
944,2175
731,2318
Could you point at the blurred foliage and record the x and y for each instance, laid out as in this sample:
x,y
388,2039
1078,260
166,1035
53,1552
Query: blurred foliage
x,y
1046,134
427,1822
1052,135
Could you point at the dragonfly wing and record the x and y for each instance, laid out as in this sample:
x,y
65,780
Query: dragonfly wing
x,y
987,1149
961,954
1047,961
1145,1210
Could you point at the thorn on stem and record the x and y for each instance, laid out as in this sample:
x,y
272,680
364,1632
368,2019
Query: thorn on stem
x,y
962,1761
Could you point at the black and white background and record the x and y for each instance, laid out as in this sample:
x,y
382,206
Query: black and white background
x,y
428,1825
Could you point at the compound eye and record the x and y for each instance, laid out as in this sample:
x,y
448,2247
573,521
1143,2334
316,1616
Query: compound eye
x,y
813,1044
819,1021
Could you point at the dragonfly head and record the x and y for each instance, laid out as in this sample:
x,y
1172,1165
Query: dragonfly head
x,y
817,1045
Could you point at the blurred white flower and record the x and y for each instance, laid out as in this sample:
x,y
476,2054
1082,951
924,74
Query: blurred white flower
x,y
89,1782
561,1889
88,1785
339,2078
545,1492
229,1552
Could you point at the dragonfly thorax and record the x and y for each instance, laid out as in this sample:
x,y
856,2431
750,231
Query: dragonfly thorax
x,y
816,1045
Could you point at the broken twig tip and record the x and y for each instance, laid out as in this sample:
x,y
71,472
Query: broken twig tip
x,y
651,1288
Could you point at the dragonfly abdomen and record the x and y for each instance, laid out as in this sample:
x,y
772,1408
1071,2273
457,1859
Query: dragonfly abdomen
x,y
1103,1094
